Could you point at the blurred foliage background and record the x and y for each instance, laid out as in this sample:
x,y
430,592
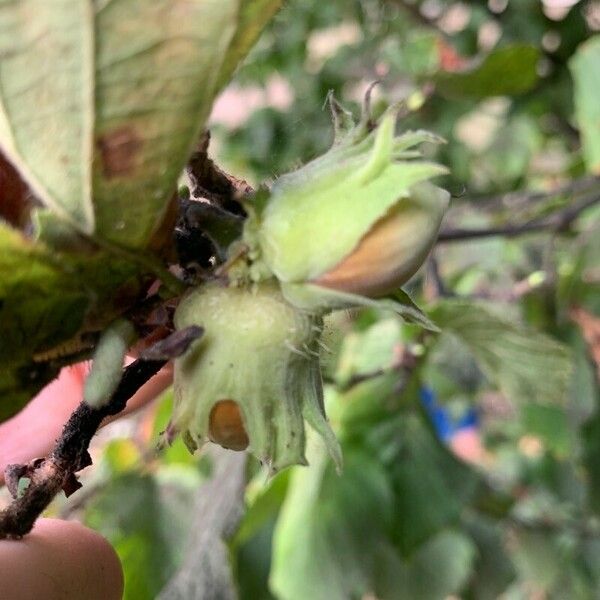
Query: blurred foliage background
x,y
471,457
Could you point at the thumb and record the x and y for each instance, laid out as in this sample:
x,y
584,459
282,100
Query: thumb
x,y
60,560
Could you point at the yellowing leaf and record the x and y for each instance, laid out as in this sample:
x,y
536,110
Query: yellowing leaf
x,y
46,101
101,102
157,65
46,299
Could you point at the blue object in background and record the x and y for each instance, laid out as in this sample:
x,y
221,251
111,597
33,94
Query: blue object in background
x,y
443,423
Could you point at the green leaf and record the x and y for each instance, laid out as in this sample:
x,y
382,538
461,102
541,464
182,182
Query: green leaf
x,y
364,405
493,570
327,537
46,299
252,544
504,72
253,564
526,365
437,570
368,352
551,425
416,54
591,458
585,69
101,102
18,385
40,304
253,16
540,558
314,297
430,485
509,156
262,508
398,490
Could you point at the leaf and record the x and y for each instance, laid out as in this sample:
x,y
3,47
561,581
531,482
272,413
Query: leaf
x,y
589,325
262,508
398,490
252,543
505,71
101,102
430,486
156,70
46,299
253,564
540,558
40,303
253,16
326,540
509,155
551,425
585,69
590,434
438,570
363,406
18,385
314,297
416,54
368,352
46,101
526,365
493,570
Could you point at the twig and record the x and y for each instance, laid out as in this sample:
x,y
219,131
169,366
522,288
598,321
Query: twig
x,y
404,363
586,529
526,197
206,570
48,476
212,184
559,221
212,217
435,285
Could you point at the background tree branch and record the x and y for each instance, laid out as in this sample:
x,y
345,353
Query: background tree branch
x,y
557,221
206,572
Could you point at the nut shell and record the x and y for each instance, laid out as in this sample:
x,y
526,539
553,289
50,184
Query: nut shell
x,y
226,426
393,249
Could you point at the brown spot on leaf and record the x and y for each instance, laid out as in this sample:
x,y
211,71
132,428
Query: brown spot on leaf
x,y
14,195
119,149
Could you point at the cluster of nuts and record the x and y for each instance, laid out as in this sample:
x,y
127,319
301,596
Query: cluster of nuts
x,y
345,230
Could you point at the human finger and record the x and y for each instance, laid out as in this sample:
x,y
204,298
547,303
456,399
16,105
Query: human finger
x,y
32,432
59,560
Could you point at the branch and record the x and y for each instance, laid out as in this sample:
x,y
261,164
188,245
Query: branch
x,y
559,221
48,476
520,198
206,570
213,216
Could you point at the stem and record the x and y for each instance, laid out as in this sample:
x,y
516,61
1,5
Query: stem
x,y
48,476
559,221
